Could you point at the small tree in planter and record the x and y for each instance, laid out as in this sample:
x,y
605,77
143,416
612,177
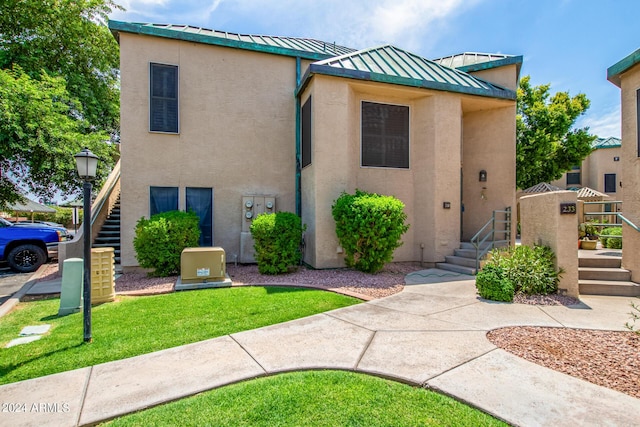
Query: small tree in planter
x,y
369,228
588,234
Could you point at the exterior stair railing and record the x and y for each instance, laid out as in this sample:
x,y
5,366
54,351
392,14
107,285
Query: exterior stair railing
x,y
100,208
485,239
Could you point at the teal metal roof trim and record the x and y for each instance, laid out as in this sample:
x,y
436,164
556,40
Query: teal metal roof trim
x,y
388,64
288,46
613,72
611,142
474,61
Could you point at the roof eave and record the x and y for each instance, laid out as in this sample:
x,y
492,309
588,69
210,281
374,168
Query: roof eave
x,y
488,65
402,81
135,28
614,72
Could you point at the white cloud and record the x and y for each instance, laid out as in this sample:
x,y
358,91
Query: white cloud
x,y
603,125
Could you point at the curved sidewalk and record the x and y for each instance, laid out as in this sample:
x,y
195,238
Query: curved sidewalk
x,y
433,334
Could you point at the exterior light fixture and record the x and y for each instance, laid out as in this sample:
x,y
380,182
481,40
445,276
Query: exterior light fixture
x,y
483,176
87,164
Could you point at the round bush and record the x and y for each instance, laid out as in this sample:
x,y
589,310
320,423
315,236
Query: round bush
x,y
160,240
492,284
369,228
612,242
277,239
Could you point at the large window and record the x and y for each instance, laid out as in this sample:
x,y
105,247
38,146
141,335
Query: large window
x,y
573,178
163,115
385,135
609,182
200,201
162,199
306,133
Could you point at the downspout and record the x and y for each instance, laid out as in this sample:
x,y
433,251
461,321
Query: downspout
x,y
298,137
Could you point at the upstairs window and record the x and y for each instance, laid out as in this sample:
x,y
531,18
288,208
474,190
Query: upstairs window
x,y
163,114
385,135
573,178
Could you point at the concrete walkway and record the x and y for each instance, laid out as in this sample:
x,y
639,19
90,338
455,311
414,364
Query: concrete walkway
x,y
433,334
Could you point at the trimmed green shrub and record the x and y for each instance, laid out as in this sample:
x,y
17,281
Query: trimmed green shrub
x,y
492,284
277,237
369,228
612,242
529,270
160,240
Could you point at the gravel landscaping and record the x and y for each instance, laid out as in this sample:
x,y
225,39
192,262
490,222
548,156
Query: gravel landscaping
x,y
610,359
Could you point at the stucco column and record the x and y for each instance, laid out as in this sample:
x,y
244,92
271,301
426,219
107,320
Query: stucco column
x,y
543,223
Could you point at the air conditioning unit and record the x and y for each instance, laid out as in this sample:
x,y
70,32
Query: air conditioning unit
x,y
202,265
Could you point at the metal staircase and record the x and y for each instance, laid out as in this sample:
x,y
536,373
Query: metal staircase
x,y
109,235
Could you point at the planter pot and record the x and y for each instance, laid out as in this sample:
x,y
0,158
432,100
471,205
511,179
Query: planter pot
x,y
579,243
589,244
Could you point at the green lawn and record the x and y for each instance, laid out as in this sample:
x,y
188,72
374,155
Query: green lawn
x,y
313,398
136,325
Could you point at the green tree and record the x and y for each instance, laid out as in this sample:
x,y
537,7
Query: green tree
x,y
546,144
39,136
59,92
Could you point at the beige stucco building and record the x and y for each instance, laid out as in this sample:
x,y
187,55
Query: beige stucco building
x,y
233,125
600,171
626,75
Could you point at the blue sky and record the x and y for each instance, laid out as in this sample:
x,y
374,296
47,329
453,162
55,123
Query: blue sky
x,y
567,43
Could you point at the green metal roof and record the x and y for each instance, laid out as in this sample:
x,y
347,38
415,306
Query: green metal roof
x,y
288,46
389,64
614,72
611,142
474,61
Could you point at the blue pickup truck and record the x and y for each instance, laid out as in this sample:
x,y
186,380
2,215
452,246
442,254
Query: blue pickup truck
x,y
25,249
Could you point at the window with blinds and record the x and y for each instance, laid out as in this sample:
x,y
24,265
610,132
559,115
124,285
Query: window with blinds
x,y
306,133
163,115
385,135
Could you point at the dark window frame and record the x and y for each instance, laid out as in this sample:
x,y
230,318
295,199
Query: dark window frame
x,y
153,206
638,122
573,181
164,106
306,133
610,180
391,147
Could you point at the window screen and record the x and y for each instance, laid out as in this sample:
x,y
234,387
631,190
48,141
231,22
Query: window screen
x,y
162,199
306,133
609,182
573,178
163,116
385,135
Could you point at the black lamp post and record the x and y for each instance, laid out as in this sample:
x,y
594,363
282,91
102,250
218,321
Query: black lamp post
x,y
87,163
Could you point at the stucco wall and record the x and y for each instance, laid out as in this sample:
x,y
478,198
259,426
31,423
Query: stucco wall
x,y
502,76
631,171
235,137
542,223
489,145
436,122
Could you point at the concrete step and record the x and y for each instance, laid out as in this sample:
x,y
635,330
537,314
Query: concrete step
x,y
456,260
465,253
609,288
457,268
115,246
469,245
600,262
607,274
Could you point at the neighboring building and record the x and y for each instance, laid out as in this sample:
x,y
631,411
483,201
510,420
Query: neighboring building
x,y
626,75
600,171
232,125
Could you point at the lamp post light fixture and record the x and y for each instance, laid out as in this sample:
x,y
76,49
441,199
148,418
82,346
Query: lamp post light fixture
x,y
86,163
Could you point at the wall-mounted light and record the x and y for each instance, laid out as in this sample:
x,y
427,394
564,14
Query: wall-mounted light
x,y
616,159
446,205
483,176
